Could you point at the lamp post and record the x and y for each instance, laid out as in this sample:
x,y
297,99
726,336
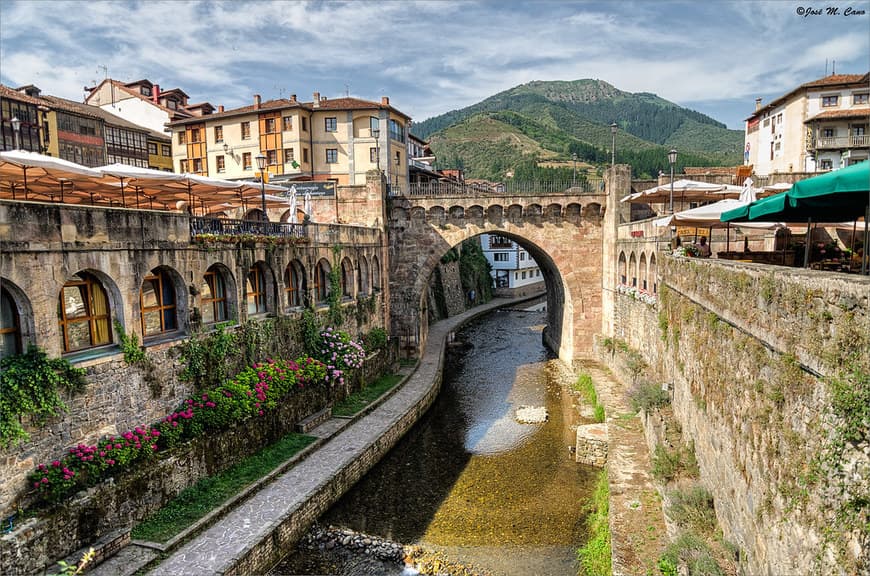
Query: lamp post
x,y
613,129
672,158
261,164
16,132
376,134
574,177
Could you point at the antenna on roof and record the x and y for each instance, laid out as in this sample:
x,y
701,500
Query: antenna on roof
x,y
826,66
833,67
346,91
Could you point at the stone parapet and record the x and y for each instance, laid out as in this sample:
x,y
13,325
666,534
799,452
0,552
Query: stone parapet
x,y
591,445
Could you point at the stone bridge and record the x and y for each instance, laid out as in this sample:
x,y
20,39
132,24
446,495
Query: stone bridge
x,y
563,231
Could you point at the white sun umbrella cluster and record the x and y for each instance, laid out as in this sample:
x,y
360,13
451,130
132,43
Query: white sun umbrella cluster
x,y
685,190
32,176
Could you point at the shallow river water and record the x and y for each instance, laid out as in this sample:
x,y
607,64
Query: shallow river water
x,y
468,479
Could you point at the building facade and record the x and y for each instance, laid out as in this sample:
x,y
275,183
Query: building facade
x,y
820,125
514,270
337,140
23,120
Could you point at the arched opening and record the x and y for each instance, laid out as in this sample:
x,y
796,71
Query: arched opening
x,y
259,289
84,313
653,274
158,303
256,214
376,274
347,284
643,272
321,281
294,283
632,269
621,267
363,276
215,293
10,324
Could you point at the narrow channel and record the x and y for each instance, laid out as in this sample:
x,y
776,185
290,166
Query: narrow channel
x,y
469,480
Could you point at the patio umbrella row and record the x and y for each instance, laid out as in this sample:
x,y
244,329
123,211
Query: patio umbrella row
x,y
30,176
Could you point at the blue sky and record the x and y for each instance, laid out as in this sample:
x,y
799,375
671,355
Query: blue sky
x,y
431,57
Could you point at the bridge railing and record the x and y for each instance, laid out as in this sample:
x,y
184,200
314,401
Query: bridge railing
x,y
507,188
229,227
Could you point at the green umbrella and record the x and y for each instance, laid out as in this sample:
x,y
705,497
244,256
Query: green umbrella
x,y
844,193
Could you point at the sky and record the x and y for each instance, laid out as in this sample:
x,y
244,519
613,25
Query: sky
x,y
431,57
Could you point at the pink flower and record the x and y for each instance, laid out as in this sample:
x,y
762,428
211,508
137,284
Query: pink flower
x,y
154,447
102,454
118,446
44,480
56,463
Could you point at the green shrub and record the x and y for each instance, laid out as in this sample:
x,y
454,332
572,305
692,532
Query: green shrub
x,y
668,464
692,508
694,553
595,555
599,415
648,395
375,340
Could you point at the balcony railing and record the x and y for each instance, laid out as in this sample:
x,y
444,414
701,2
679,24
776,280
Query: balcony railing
x,y
842,142
227,227
511,188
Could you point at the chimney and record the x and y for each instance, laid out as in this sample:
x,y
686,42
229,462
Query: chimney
x,y
757,104
155,93
293,97
316,102
221,108
385,100
256,101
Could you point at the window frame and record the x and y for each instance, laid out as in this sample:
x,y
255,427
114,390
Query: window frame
x,y
246,130
219,133
14,328
332,155
164,282
255,290
218,302
330,124
92,286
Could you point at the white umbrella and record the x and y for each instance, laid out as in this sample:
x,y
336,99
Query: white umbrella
x,y
307,205
707,216
39,173
293,202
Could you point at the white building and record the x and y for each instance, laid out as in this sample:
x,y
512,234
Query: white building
x,y
514,270
818,126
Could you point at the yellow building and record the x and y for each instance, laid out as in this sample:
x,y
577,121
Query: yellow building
x,y
159,151
318,140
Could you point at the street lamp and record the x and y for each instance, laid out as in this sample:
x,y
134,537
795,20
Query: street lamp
x,y
672,158
16,132
376,133
574,177
613,129
261,165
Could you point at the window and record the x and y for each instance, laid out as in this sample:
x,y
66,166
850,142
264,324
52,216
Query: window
x,y
331,155
157,300
859,129
288,155
829,101
246,130
363,276
373,155
83,313
829,132
213,298
271,157
246,160
500,257
221,163
145,90
287,123
321,281
331,124
171,104
256,290
522,256
183,166
218,133
862,98
152,148
376,274
194,135
10,331
397,131
346,279
166,150
304,124
197,164
182,137
269,125
294,280
305,155
374,124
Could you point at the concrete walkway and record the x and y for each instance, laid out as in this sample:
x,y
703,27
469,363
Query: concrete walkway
x,y
231,540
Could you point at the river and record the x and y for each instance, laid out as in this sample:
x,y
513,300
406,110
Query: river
x,y
470,481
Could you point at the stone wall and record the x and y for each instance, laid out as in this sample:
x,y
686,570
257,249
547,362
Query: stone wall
x,y
591,445
752,354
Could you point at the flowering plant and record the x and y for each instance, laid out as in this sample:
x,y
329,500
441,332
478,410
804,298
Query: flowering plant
x,y
340,353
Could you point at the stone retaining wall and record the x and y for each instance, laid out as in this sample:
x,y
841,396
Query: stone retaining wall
x,y
591,445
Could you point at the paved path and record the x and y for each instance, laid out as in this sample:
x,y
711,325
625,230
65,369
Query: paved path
x,y
218,548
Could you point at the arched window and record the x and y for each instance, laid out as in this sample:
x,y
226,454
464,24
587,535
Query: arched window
x,y
10,325
346,278
632,269
157,302
621,268
255,289
653,274
83,313
363,276
213,297
376,273
294,280
643,272
321,281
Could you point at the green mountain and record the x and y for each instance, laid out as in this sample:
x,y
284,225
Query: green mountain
x,y
542,121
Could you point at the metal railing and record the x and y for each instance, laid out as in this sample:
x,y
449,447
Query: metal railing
x,y
842,142
525,188
227,227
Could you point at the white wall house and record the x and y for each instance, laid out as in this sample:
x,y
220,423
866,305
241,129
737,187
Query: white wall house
x,y
818,126
512,267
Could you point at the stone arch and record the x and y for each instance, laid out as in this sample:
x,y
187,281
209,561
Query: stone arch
x,y
475,213
295,284
622,269
291,217
533,213
217,295
399,215
255,214
573,212
376,274
495,214
261,289
362,275
347,279
321,286
643,271
437,215
418,213
653,274
163,309
553,212
456,213
592,211
17,328
514,214
632,270
89,296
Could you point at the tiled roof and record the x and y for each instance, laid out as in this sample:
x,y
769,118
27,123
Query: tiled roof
x,y
833,114
133,92
70,106
12,94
